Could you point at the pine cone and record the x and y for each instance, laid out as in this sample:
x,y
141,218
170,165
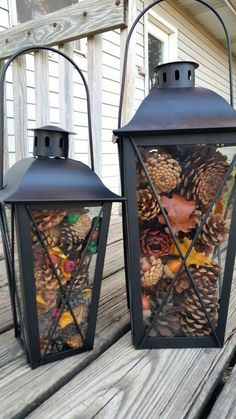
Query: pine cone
x,y
193,318
151,270
47,219
164,172
168,322
154,242
74,341
46,299
181,284
81,229
202,174
213,231
44,279
50,237
148,209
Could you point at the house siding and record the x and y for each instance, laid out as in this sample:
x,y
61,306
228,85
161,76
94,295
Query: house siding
x,y
194,42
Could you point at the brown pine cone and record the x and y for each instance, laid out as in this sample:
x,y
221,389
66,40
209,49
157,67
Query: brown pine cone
x,y
154,242
168,322
44,279
164,172
81,229
47,219
50,237
181,284
74,341
148,208
202,175
214,231
193,318
46,299
151,269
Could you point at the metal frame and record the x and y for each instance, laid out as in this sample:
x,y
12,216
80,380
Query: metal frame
x,y
30,343
145,10
128,151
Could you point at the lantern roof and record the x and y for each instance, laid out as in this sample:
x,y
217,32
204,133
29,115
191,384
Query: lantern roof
x,y
175,105
53,180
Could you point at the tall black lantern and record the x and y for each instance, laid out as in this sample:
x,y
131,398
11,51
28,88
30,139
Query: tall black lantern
x,y
177,158
55,215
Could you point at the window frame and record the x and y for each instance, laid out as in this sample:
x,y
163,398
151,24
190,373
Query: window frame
x,y
166,33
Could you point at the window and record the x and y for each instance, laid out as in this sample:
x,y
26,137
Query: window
x,y
31,9
161,46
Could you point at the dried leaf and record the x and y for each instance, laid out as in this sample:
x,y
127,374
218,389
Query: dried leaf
x,y
179,211
194,258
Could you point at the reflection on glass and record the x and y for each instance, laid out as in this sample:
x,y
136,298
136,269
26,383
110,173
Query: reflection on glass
x,y
63,293
31,9
155,57
186,180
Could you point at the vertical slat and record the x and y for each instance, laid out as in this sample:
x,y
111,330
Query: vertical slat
x,y
41,88
20,107
129,93
5,137
95,87
66,92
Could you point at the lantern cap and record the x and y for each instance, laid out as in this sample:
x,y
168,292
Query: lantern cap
x,y
51,141
54,180
172,109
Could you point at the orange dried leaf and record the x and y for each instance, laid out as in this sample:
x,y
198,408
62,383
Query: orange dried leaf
x,y
179,211
194,258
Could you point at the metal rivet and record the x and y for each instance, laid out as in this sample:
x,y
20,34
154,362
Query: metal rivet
x,y
54,24
117,3
85,14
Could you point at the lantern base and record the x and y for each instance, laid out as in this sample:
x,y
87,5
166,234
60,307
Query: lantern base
x,y
179,342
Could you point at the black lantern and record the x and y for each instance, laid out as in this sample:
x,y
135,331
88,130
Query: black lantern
x,y
178,159
55,215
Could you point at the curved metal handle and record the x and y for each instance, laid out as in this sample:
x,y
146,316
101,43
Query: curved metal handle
x,y
154,3
2,79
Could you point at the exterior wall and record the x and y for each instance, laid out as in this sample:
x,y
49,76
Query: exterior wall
x,y
193,43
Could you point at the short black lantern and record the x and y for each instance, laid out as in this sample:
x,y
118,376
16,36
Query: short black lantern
x,y
178,157
55,215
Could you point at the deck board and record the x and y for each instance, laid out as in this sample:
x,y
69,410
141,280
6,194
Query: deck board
x,y
22,389
124,382
225,406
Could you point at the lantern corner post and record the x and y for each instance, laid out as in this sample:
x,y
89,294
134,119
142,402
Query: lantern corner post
x,y
104,227
26,271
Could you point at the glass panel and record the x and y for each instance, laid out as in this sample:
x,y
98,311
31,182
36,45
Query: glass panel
x,y
155,57
186,180
63,293
31,9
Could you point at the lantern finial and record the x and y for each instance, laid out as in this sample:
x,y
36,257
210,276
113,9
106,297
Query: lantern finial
x,y
51,141
178,74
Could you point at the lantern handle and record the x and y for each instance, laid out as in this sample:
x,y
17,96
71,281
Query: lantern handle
x,y
2,79
154,3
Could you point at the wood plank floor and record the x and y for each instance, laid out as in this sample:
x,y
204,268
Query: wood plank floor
x,y
115,380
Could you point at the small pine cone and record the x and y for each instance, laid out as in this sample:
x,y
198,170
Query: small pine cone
x,y
151,269
46,299
207,179
67,238
74,341
44,279
182,282
47,219
154,242
214,231
164,172
167,323
52,236
81,229
193,318
148,208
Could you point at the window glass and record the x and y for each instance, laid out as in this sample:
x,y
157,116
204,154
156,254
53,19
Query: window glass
x,y
31,9
155,57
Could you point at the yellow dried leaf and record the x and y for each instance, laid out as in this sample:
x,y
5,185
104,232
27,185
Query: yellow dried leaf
x,y
194,258
40,300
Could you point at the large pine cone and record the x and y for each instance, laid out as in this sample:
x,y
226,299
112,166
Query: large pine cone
x,y
47,219
193,318
81,229
148,209
154,242
168,322
151,269
181,284
202,175
213,232
164,172
50,237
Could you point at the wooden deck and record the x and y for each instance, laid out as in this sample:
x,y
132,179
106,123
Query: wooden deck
x,y
115,380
